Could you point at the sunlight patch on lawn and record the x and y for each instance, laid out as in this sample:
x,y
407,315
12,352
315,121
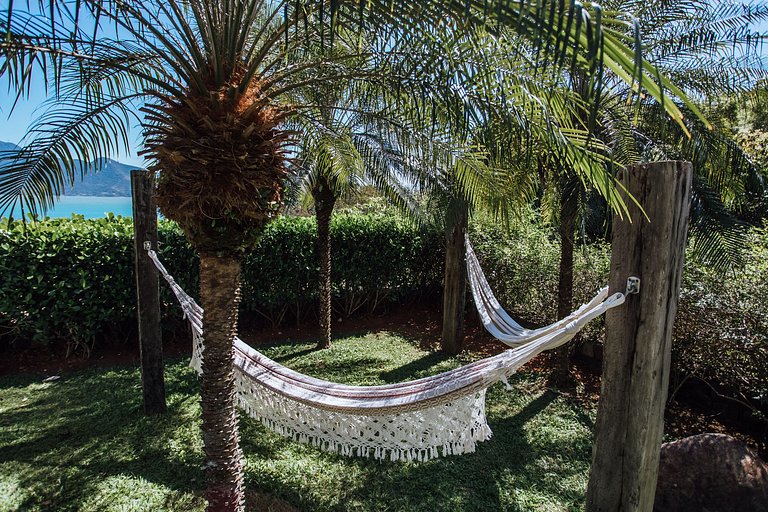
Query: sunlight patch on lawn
x,y
124,493
12,495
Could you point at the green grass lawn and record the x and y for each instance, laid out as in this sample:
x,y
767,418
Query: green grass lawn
x,y
82,443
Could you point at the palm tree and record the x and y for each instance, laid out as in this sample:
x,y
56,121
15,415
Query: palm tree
x,y
518,117
349,140
210,82
709,51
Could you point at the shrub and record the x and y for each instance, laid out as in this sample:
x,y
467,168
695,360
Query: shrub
x,y
377,259
66,279
71,280
721,330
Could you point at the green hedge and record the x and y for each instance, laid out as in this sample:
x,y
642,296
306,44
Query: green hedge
x,y
65,279
376,259
71,280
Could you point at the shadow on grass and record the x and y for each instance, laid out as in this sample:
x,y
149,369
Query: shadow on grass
x,y
294,355
416,367
470,481
527,465
63,439
71,436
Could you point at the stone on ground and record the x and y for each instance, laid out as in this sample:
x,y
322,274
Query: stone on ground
x,y
711,473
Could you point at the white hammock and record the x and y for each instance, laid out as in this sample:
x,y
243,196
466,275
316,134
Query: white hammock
x,y
412,421
502,326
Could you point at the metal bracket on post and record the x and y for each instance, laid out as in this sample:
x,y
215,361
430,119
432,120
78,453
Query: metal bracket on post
x,y
147,246
633,285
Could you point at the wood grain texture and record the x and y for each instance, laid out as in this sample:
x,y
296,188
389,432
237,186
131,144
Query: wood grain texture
x,y
147,293
638,341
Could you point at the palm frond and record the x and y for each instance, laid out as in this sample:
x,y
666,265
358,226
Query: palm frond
x,y
718,238
64,144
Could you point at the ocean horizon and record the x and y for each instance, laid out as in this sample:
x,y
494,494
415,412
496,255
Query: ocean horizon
x,y
90,207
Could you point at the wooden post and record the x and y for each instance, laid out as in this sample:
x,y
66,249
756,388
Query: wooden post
x,y
630,416
147,292
454,285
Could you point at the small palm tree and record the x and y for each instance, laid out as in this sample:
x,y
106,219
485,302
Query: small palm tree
x,y
517,117
348,142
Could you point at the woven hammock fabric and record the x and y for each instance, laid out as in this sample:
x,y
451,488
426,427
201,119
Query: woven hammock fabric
x,y
417,420
503,327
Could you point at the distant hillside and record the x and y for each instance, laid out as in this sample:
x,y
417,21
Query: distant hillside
x,y
7,146
112,180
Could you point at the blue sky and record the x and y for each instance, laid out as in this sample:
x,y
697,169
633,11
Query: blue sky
x,y
14,123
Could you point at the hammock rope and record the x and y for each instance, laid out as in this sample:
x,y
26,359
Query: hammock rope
x,y
418,420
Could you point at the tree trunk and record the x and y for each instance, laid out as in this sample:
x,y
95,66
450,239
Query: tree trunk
x,y
220,296
560,358
638,338
454,285
325,201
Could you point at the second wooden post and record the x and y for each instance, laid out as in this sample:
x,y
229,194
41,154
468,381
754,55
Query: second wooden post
x,y
147,292
636,360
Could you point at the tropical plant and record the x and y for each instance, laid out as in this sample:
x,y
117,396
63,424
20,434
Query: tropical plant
x,y
709,51
712,51
209,81
521,119
351,138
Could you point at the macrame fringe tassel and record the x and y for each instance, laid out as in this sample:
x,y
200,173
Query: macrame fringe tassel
x,y
451,428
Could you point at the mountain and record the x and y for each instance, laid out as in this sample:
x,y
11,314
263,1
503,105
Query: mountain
x,y
8,146
113,179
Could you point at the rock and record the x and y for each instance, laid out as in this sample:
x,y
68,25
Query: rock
x,y
711,473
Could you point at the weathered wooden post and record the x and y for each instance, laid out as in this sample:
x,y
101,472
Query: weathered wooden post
x,y
454,284
147,292
636,360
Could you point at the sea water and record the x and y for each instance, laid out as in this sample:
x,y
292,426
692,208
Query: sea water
x,y
90,207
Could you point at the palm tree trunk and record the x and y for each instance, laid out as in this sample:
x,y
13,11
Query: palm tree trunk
x,y
220,295
561,372
454,285
325,200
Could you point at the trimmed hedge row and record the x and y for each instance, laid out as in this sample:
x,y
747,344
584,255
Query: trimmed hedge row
x,y
72,279
377,259
66,279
